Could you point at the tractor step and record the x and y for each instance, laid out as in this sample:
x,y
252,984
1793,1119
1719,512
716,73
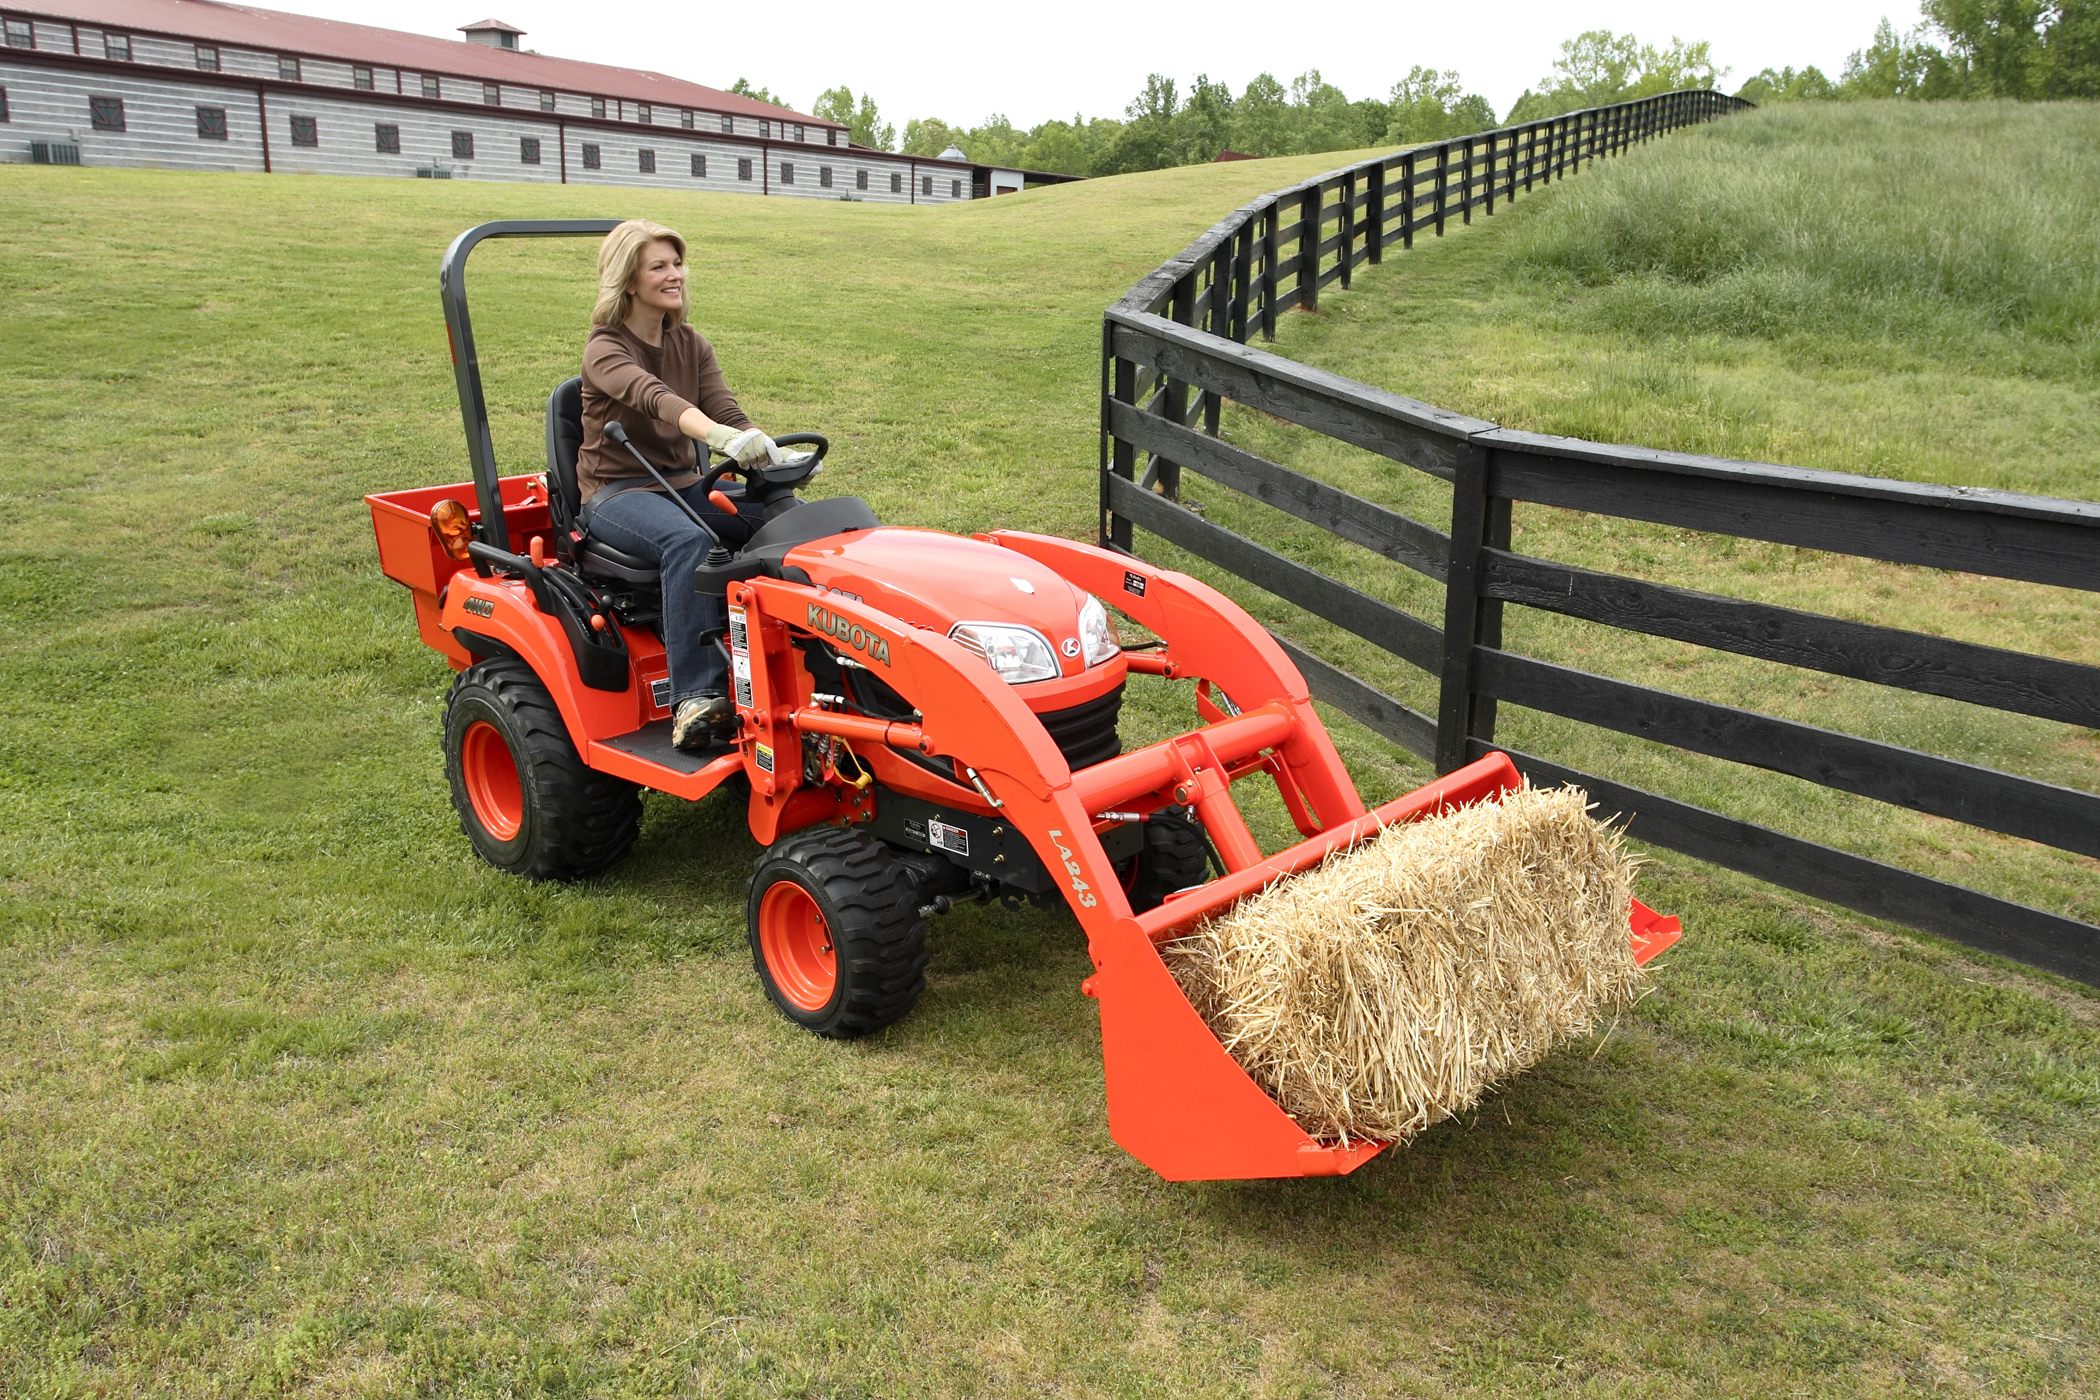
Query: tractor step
x,y
647,756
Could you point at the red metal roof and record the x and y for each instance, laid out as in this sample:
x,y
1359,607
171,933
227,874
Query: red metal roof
x,y
274,31
490,24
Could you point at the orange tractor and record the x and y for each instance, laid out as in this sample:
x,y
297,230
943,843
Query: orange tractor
x,y
922,719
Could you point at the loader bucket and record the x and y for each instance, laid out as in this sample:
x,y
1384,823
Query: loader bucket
x,y
1177,1101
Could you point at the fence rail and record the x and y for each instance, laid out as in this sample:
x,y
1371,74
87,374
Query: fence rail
x,y
1174,349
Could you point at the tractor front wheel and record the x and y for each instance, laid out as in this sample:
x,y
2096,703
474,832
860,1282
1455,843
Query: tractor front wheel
x,y
836,933
524,796
1173,858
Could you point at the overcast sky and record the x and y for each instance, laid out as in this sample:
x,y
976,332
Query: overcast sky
x,y
964,62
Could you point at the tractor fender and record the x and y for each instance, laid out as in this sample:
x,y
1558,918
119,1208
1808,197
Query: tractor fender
x,y
504,612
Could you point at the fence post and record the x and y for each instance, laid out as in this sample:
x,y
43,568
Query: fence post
x,y
1345,225
1309,249
1488,175
1268,271
1443,183
1173,400
1122,460
1242,278
1477,521
1407,201
1374,214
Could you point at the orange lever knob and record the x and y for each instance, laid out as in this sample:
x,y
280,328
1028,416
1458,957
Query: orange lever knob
x,y
539,552
597,622
722,503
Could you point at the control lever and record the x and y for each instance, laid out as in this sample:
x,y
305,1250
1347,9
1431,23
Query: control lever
x,y
717,555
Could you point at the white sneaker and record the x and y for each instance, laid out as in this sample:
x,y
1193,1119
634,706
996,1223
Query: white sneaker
x,y
701,722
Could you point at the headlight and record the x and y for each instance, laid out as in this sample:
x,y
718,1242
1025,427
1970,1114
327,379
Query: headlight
x,y
1018,654
1097,633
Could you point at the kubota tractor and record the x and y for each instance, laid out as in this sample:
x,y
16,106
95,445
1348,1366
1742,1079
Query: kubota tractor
x,y
923,718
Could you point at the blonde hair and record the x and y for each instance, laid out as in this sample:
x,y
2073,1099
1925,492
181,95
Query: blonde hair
x,y
619,257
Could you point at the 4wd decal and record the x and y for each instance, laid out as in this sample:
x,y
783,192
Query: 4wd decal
x,y
1079,886
871,644
480,607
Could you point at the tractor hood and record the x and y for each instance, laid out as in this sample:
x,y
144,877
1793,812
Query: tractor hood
x,y
935,580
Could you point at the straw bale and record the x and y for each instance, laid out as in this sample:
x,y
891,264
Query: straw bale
x,y
1392,986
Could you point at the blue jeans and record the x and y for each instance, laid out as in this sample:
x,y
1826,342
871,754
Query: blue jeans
x,y
646,524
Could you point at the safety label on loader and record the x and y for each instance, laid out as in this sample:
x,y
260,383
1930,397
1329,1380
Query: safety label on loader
x,y
742,666
943,837
739,635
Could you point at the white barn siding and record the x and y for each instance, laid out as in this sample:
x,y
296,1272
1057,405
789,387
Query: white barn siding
x,y
248,63
349,146
160,119
58,38
163,53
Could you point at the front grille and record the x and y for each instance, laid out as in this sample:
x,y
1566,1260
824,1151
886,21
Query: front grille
x,y
1086,734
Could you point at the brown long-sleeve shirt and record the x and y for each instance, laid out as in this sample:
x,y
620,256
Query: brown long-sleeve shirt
x,y
644,388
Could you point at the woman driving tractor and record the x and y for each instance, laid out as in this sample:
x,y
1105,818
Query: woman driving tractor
x,y
646,369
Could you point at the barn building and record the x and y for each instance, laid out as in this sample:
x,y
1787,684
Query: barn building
x,y
196,85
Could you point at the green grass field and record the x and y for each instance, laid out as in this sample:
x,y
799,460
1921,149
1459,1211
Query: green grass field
x,y
297,1098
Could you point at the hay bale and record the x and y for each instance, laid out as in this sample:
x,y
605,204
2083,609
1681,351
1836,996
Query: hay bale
x,y
1390,987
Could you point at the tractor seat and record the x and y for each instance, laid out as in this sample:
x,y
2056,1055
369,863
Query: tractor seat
x,y
564,440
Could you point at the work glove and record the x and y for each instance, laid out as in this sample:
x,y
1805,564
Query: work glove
x,y
748,447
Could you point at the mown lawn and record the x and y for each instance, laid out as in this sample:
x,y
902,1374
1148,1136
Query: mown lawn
x,y
299,1099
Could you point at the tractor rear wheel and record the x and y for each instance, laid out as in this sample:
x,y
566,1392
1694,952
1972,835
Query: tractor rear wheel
x,y
525,799
1172,858
836,933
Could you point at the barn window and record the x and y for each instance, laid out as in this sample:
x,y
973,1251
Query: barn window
x,y
528,150
207,58
590,155
699,166
20,35
211,123
896,182
287,69
743,168
463,145
361,78
305,132
824,176
642,114
648,161
386,137
926,185
546,100
787,172
798,132
955,189
117,47
728,127
430,86
860,179
3,104
597,106
831,138
107,113
685,119
492,94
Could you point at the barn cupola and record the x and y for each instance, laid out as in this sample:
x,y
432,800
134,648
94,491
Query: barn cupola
x,y
493,33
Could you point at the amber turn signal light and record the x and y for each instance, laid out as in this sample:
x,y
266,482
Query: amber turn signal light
x,y
454,531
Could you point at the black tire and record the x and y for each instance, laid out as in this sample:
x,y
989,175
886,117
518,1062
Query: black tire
x,y
1173,858
551,818
846,888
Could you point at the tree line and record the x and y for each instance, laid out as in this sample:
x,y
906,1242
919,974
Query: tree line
x,y
2028,49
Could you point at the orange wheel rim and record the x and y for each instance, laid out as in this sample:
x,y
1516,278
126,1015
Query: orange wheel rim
x,y
491,777
796,944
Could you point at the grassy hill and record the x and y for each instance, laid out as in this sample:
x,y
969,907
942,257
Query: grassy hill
x,y
295,1097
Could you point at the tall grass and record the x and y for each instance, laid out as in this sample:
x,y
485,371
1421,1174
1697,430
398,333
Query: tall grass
x,y
1968,226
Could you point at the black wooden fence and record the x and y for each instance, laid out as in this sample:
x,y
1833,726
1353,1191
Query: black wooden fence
x,y
1174,349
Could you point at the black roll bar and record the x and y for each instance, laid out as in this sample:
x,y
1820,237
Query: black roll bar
x,y
466,365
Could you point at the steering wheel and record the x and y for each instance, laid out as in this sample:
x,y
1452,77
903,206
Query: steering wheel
x,y
732,467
